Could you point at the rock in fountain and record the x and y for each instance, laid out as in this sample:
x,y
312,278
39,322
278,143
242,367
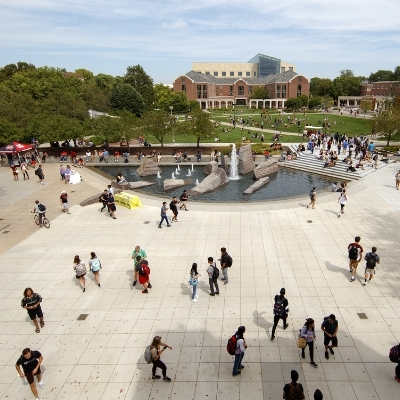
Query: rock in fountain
x,y
148,167
266,168
216,179
255,186
173,183
246,163
234,175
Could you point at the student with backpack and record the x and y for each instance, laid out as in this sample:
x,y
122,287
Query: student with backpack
x,y
372,259
293,390
394,356
95,266
281,309
213,274
355,254
240,348
40,209
143,269
155,357
226,262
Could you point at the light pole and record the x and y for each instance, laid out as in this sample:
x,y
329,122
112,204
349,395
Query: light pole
x,y
173,130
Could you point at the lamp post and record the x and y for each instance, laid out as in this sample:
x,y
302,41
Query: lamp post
x,y
173,130
171,108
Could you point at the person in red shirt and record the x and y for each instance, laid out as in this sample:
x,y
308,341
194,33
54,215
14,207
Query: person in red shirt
x,y
63,156
116,156
355,255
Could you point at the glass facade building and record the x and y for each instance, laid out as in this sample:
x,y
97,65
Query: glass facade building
x,y
267,65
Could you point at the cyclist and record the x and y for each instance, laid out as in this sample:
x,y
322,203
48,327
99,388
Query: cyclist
x,y
40,209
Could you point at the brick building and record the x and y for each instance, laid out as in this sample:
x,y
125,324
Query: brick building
x,y
219,92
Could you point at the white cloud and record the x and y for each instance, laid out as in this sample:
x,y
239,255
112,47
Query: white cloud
x,y
178,24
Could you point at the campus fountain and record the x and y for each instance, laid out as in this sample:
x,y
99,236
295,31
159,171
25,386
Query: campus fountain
x,y
178,168
173,176
189,172
158,175
197,181
192,168
234,173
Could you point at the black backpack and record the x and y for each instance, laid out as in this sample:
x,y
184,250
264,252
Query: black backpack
x,y
279,307
294,393
371,261
229,260
353,253
41,207
215,273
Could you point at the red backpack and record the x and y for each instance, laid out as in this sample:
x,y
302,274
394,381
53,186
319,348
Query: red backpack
x,y
232,344
144,268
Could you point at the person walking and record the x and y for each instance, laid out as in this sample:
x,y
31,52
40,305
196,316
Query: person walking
x,y
174,208
330,327
308,332
183,199
135,253
104,200
111,205
226,262
164,210
193,282
293,390
372,259
64,202
95,266
213,273
355,254
318,395
281,309
15,172
241,346
156,351
143,271
313,197
67,174
397,176
80,271
30,362
342,200
31,302
39,172
24,170
62,172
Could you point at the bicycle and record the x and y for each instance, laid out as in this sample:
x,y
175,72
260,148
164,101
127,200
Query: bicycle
x,y
45,221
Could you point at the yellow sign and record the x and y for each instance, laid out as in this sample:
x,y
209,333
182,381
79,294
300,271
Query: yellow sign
x,y
127,200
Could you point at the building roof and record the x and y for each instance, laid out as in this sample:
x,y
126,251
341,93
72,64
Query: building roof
x,y
283,77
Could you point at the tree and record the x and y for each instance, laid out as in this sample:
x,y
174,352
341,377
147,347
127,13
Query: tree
x,y
157,124
106,82
163,96
87,75
320,86
180,102
259,92
9,70
104,127
345,85
314,102
9,132
387,122
194,105
327,102
293,103
381,75
125,97
199,125
142,83
304,100
366,105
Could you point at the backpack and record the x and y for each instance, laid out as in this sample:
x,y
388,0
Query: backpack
x,y
147,355
215,273
375,157
229,260
353,253
294,393
371,261
144,269
311,194
95,265
232,344
41,207
394,354
279,308
36,172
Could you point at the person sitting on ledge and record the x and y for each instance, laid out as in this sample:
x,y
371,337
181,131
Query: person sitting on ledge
x,y
385,158
350,167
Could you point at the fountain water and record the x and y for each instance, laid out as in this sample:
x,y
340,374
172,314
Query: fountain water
x,y
173,176
177,171
234,175
197,181
158,174
178,168
189,172
192,168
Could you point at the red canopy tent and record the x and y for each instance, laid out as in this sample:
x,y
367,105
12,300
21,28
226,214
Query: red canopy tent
x,y
15,147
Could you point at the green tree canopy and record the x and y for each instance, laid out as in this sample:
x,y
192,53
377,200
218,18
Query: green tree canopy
x,y
108,129
199,126
9,132
320,86
259,92
163,96
345,85
366,105
125,97
314,101
293,103
142,83
157,124
381,75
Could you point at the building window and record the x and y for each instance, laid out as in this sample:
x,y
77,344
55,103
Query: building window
x,y
255,73
205,91
184,88
199,91
299,78
290,68
231,73
240,90
247,73
282,69
215,73
224,73
183,79
250,90
278,91
283,91
231,90
239,74
207,72
298,90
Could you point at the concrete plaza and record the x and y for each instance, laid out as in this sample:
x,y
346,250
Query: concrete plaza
x,y
273,245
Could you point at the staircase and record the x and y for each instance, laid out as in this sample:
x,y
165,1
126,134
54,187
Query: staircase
x,y
310,163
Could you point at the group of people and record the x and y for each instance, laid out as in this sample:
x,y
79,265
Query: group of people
x,y
108,200
173,206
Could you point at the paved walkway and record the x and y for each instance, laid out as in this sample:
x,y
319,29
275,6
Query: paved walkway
x,y
273,245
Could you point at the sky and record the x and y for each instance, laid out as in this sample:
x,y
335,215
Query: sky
x,y
320,37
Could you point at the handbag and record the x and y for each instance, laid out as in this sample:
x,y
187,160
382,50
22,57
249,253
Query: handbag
x,y
301,343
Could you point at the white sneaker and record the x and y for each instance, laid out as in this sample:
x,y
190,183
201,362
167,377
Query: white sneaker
x,y
41,385
196,296
194,301
352,279
364,283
